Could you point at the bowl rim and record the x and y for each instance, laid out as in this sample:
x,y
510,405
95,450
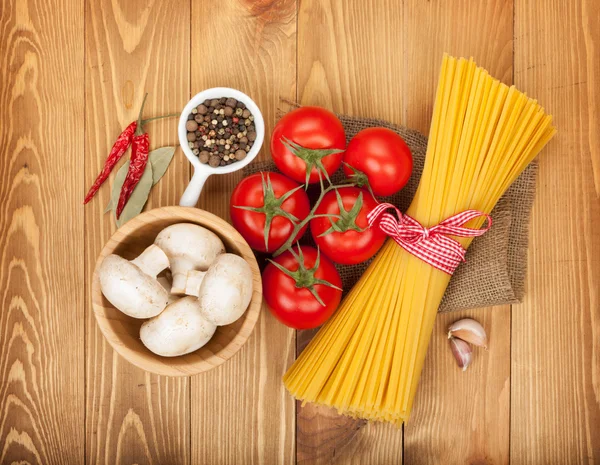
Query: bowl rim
x,y
213,92
160,365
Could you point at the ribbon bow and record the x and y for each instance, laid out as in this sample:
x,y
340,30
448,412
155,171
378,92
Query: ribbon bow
x,y
432,245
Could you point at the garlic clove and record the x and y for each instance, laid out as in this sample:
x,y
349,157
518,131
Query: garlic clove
x,y
462,352
469,330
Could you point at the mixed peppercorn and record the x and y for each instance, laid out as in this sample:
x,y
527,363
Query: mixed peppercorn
x,y
220,131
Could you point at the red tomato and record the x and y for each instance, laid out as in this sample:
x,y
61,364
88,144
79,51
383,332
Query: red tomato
x,y
383,156
265,192
291,294
349,240
309,128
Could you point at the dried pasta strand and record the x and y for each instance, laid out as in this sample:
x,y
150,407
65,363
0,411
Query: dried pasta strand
x,y
367,360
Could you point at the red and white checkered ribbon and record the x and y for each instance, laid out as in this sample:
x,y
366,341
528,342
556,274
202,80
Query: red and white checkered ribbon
x,y
432,245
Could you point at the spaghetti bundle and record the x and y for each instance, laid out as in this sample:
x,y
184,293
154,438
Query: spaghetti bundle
x,y
367,359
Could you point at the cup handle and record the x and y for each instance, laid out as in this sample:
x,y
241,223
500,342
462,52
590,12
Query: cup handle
x,y
192,192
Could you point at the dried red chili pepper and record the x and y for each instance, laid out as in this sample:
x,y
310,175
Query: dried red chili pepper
x,y
137,165
140,146
117,151
135,136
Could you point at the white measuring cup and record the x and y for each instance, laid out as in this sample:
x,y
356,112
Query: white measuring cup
x,y
203,171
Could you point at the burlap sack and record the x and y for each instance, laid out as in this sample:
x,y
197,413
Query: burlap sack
x,y
494,273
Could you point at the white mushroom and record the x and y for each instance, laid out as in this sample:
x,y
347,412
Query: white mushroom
x,y
178,330
193,282
166,284
131,286
224,292
189,247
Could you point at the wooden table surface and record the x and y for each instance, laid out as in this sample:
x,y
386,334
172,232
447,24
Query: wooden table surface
x,y
73,74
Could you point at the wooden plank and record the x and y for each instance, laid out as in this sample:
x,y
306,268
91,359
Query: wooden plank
x,y
240,411
41,226
350,60
131,48
351,57
555,395
459,417
463,417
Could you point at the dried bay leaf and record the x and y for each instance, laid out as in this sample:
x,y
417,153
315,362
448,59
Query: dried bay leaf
x,y
160,159
158,162
116,187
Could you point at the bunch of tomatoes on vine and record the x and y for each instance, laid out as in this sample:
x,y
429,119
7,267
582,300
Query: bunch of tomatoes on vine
x,y
272,211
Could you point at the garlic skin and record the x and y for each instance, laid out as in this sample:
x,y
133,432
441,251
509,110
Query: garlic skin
x,y
469,330
462,352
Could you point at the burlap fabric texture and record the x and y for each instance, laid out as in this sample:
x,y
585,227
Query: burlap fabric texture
x,y
496,263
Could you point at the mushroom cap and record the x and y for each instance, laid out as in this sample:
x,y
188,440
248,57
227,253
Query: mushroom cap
x,y
178,330
129,289
189,245
226,290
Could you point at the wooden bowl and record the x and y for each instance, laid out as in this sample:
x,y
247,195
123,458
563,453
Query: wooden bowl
x,y
123,332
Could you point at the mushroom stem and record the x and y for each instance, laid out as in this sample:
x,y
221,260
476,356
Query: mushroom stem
x,y
166,284
152,261
179,283
189,247
192,284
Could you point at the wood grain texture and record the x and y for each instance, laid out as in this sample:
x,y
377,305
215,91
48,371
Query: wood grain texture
x,y
450,403
41,273
132,47
480,29
123,331
72,76
463,417
555,393
240,411
351,57
459,417
350,60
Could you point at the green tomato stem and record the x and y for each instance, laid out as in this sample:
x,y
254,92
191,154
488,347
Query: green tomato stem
x,y
298,226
